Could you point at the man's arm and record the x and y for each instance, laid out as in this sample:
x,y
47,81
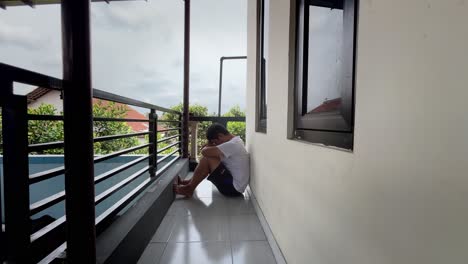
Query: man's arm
x,y
212,152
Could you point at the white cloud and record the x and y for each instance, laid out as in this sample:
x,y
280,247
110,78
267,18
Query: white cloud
x,y
18,36
138,48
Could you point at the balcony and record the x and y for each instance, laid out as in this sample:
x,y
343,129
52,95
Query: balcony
x,y
138,217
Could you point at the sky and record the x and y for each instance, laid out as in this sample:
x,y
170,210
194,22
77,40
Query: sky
x,y
137,48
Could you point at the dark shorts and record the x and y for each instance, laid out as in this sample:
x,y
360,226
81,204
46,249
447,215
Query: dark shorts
x,y
221,177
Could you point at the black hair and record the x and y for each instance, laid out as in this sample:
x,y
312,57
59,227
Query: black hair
x,y
214,130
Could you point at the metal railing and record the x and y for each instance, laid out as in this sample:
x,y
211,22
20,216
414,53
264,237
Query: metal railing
x,y
48,242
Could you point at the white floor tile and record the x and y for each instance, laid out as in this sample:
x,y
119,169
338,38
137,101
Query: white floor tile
x,y
199,206
200,228
240,205
197,253
245,227
252,252
152,253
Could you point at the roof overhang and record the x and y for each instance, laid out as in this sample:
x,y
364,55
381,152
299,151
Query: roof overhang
x,y
7,3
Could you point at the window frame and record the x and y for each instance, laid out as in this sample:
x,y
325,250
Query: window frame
x,y
330,129
261,107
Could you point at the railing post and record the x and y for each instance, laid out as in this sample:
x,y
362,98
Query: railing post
x,y
78,132
180,135
153,138
193,140
186,104
16,174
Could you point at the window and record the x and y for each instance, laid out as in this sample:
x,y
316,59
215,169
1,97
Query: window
x,y
324,96
262,66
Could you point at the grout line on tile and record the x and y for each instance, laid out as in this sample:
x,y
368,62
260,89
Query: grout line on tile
x,y
232,254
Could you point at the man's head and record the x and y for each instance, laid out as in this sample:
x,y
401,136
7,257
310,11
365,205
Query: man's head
x,y
218,134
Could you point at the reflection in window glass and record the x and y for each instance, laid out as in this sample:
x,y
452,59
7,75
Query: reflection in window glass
x,y
266,30
324,60
264,58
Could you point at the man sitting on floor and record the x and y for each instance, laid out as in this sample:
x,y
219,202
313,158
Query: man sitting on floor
x,y
225,161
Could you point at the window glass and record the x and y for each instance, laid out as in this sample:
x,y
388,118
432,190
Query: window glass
x,y
262,88
324,83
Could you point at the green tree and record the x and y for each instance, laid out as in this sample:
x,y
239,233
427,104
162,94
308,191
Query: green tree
x,y
44,131
196,110
236,128
106,128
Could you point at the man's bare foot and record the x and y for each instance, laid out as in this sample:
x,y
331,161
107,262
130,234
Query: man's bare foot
x,y
182,182
186,190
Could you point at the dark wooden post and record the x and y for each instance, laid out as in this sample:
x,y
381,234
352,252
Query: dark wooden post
x,y
16,174
153,138
185,126
78,128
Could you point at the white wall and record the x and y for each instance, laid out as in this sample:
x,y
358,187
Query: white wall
x,y
52,97
402,196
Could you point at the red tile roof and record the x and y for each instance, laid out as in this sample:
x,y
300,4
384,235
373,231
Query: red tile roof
x,y
36,94
131,112
327,106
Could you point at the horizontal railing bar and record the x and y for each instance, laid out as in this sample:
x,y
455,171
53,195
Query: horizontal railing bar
x,y
108,214
106,138
169,121
168,138
103,219
125,100
100,119
168,147
169,129
48,174
60,196
118,153
101,197
54,254
44,175
167,156
45,146
61,144
46,229
111,119
16,74
218,119
108,174
46,203
119,205
45,117
165,167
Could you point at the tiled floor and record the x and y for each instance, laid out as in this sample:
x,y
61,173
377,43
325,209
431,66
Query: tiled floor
x,y
209,228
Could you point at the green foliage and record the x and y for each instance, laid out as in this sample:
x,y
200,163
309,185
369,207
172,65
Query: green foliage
x,y
44,131
106,128
236,128
40,131
50,131
196,110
